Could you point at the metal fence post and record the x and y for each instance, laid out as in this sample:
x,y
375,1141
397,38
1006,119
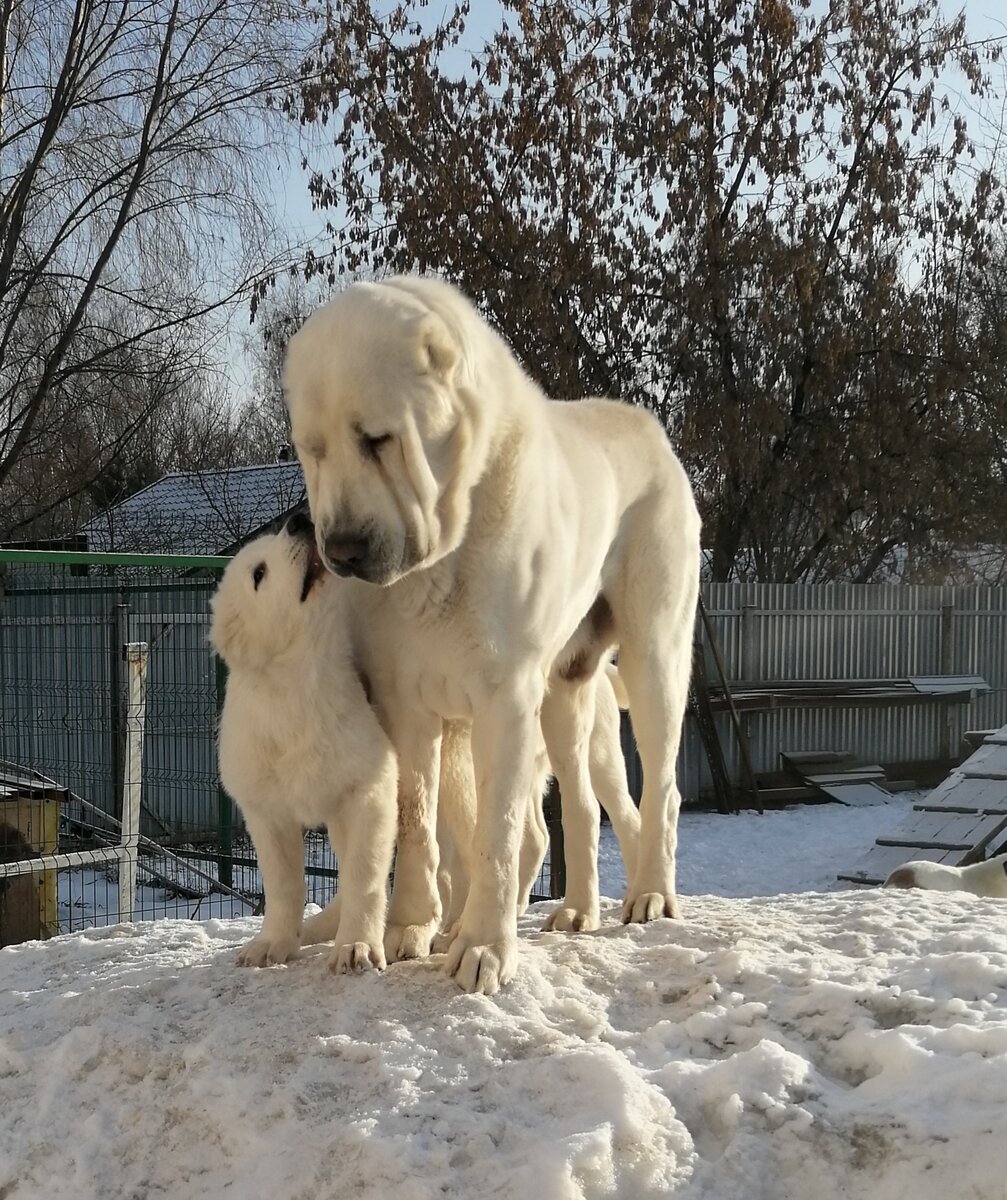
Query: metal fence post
x,y
136,674
946,667
749,647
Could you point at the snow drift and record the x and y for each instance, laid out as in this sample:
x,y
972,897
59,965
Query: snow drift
x,y
825,1045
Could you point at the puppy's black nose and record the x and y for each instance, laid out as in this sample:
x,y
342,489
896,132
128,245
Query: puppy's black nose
x,y
299,524
346,550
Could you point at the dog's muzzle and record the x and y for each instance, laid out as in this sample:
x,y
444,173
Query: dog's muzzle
x,y
349,554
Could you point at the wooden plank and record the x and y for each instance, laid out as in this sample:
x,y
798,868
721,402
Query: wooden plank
x,y
880,861
946,829
854,775
976,794
856,793
933,685
989,760
800,758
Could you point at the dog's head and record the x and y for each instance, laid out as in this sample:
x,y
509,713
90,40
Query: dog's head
x,y
384,422
266,597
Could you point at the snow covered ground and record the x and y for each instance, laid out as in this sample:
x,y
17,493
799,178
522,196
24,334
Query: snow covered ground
x,y
797,849
813,1044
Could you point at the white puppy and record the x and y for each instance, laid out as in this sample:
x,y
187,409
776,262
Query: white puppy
x,y
981,879
500,539
300,746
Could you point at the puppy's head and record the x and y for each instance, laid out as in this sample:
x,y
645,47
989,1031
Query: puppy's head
x,y
265,600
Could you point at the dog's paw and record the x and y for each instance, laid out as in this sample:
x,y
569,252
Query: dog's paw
x,y
483,969
572,920
354,958
264,951
444,940
409,941
640,907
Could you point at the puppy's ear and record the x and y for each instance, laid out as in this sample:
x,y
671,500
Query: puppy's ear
x,y
228,635
438,349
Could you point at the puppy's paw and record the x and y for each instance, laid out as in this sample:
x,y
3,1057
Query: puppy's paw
x,y
572,920
263,951
484,969
640,907
409,941
354,958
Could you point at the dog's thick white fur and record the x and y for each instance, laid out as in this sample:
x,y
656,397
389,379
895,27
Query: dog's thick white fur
x,y
300,746
981,879
515,540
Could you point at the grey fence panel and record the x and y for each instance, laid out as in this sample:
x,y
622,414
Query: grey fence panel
x,y
59,636
848,631
55,702
180,751
60,673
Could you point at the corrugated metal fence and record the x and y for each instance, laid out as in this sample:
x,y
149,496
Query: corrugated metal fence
x,y
848,631
63,625
60,639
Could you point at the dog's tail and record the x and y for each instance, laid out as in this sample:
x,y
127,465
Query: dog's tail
x,y
615,679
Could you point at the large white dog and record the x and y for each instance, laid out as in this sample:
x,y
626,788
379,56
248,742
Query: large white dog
x,y
513,539
300,746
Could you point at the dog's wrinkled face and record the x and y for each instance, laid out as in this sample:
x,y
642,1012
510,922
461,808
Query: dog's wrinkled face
x,y
379,427
265,598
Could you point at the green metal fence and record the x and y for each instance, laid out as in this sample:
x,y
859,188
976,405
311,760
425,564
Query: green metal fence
x,y
65,618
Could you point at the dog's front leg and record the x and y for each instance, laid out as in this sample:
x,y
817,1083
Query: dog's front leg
x,y
505,740
415,910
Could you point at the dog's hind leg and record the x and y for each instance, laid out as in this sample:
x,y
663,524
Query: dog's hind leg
x,y
653,589
535,838
567,719
608,774
323,926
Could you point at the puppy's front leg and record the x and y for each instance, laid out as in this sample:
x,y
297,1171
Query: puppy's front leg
x,y
415,910
364,839
280,849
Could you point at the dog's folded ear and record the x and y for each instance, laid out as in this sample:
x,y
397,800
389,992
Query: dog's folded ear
x,y
438,349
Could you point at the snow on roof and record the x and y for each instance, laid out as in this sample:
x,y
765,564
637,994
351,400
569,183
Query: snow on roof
x,y
850,1044
198,512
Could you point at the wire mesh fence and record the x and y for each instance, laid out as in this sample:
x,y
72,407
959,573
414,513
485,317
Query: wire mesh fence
x,y
66,620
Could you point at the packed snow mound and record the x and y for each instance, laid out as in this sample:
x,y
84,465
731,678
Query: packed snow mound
x,y
848,1044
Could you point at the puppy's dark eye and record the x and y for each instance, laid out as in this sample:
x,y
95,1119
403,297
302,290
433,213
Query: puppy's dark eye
x,y
258,575
370,444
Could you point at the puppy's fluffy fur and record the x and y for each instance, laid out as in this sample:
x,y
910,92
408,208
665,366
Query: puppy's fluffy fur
x,y
300,746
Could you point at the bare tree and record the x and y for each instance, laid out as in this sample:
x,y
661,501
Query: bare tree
x,y
759,218
133,137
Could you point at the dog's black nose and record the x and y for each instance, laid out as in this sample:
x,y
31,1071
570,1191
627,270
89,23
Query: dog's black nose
x,y
299,524
346,551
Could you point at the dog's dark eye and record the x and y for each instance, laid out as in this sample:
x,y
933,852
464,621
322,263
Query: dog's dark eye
x,y
258,575
370,445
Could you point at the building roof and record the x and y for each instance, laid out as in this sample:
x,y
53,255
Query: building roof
x,y
198,512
